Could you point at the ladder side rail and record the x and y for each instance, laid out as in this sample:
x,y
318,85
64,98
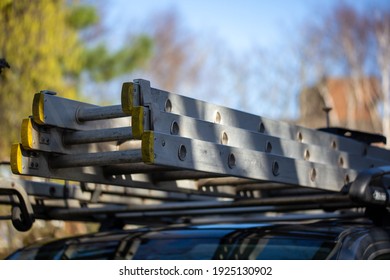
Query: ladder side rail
x,y
163,149
182,126
52,110
162,101
32,163
61,141
159,149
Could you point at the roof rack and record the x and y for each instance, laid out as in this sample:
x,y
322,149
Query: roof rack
x,y
160,157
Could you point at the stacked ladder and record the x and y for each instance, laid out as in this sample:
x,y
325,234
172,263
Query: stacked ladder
x,y
160,155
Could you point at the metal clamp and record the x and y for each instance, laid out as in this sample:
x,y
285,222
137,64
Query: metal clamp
x,y
22,211
369,188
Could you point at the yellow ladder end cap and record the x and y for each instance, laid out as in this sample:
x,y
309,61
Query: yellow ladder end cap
x,y
27,134
148,147
137,122
38,108
16,159
127,98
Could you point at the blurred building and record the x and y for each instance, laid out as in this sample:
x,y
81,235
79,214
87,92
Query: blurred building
x,y
353,105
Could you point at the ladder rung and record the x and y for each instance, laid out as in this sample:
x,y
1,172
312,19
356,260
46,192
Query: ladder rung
x,y
99,113
96,159
134,168
96,136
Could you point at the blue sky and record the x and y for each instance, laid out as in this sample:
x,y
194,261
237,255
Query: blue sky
x,y
241,26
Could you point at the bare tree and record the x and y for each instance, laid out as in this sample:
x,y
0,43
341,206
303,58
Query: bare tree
x,y
382,36
350,30
341,42
177,59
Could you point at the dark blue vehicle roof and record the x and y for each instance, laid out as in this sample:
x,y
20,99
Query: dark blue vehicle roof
x,y
331,239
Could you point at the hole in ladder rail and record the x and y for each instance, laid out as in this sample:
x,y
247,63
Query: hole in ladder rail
x,y
333,144
275,168
341,161
218,118
313,174
306,155
231,161
168,106
346,179
182,152
300,136
225,138
261,127
268,147
175,128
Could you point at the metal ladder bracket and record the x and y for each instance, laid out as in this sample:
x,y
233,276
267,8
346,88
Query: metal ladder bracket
x,y
369,187
22,213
